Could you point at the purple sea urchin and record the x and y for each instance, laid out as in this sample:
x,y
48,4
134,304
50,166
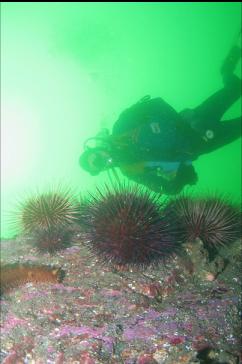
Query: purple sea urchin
x,y
49,218
125,225
213,219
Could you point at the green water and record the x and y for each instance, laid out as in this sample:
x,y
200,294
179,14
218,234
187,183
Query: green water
x,y
69,69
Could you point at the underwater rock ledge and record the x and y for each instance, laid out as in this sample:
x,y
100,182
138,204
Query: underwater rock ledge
x,y
184,311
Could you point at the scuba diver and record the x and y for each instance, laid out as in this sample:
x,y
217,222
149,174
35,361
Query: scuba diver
x,y
154,145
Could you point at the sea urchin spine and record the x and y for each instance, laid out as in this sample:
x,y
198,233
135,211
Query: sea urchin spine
x,y
212,219
125,225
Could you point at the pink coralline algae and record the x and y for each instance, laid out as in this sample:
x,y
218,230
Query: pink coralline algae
x,y
85,358
146,359
175,340
11,322
99,315
61,286
11,358
138,332
67,330
111,292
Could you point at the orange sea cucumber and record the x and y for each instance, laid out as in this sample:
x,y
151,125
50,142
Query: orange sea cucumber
x,y
17,274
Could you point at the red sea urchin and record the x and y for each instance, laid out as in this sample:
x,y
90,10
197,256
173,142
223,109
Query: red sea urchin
x,y
125,225
212,219
49,218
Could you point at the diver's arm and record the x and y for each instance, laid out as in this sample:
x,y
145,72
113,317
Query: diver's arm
x,y
160,185
185,175
154,183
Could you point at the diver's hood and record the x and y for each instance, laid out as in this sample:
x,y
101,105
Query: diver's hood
x,y
100,141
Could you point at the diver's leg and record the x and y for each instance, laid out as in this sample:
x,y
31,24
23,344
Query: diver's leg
x,y
230,63
212,110
227,132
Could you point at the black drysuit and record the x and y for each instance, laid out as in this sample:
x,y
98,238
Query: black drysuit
x,y
155,146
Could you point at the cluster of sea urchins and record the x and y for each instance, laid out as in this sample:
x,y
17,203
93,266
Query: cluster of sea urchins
x,y
125,225
49,218
128,225
213,219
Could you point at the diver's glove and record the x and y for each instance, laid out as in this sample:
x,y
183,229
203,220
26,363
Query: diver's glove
x,y
186,175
